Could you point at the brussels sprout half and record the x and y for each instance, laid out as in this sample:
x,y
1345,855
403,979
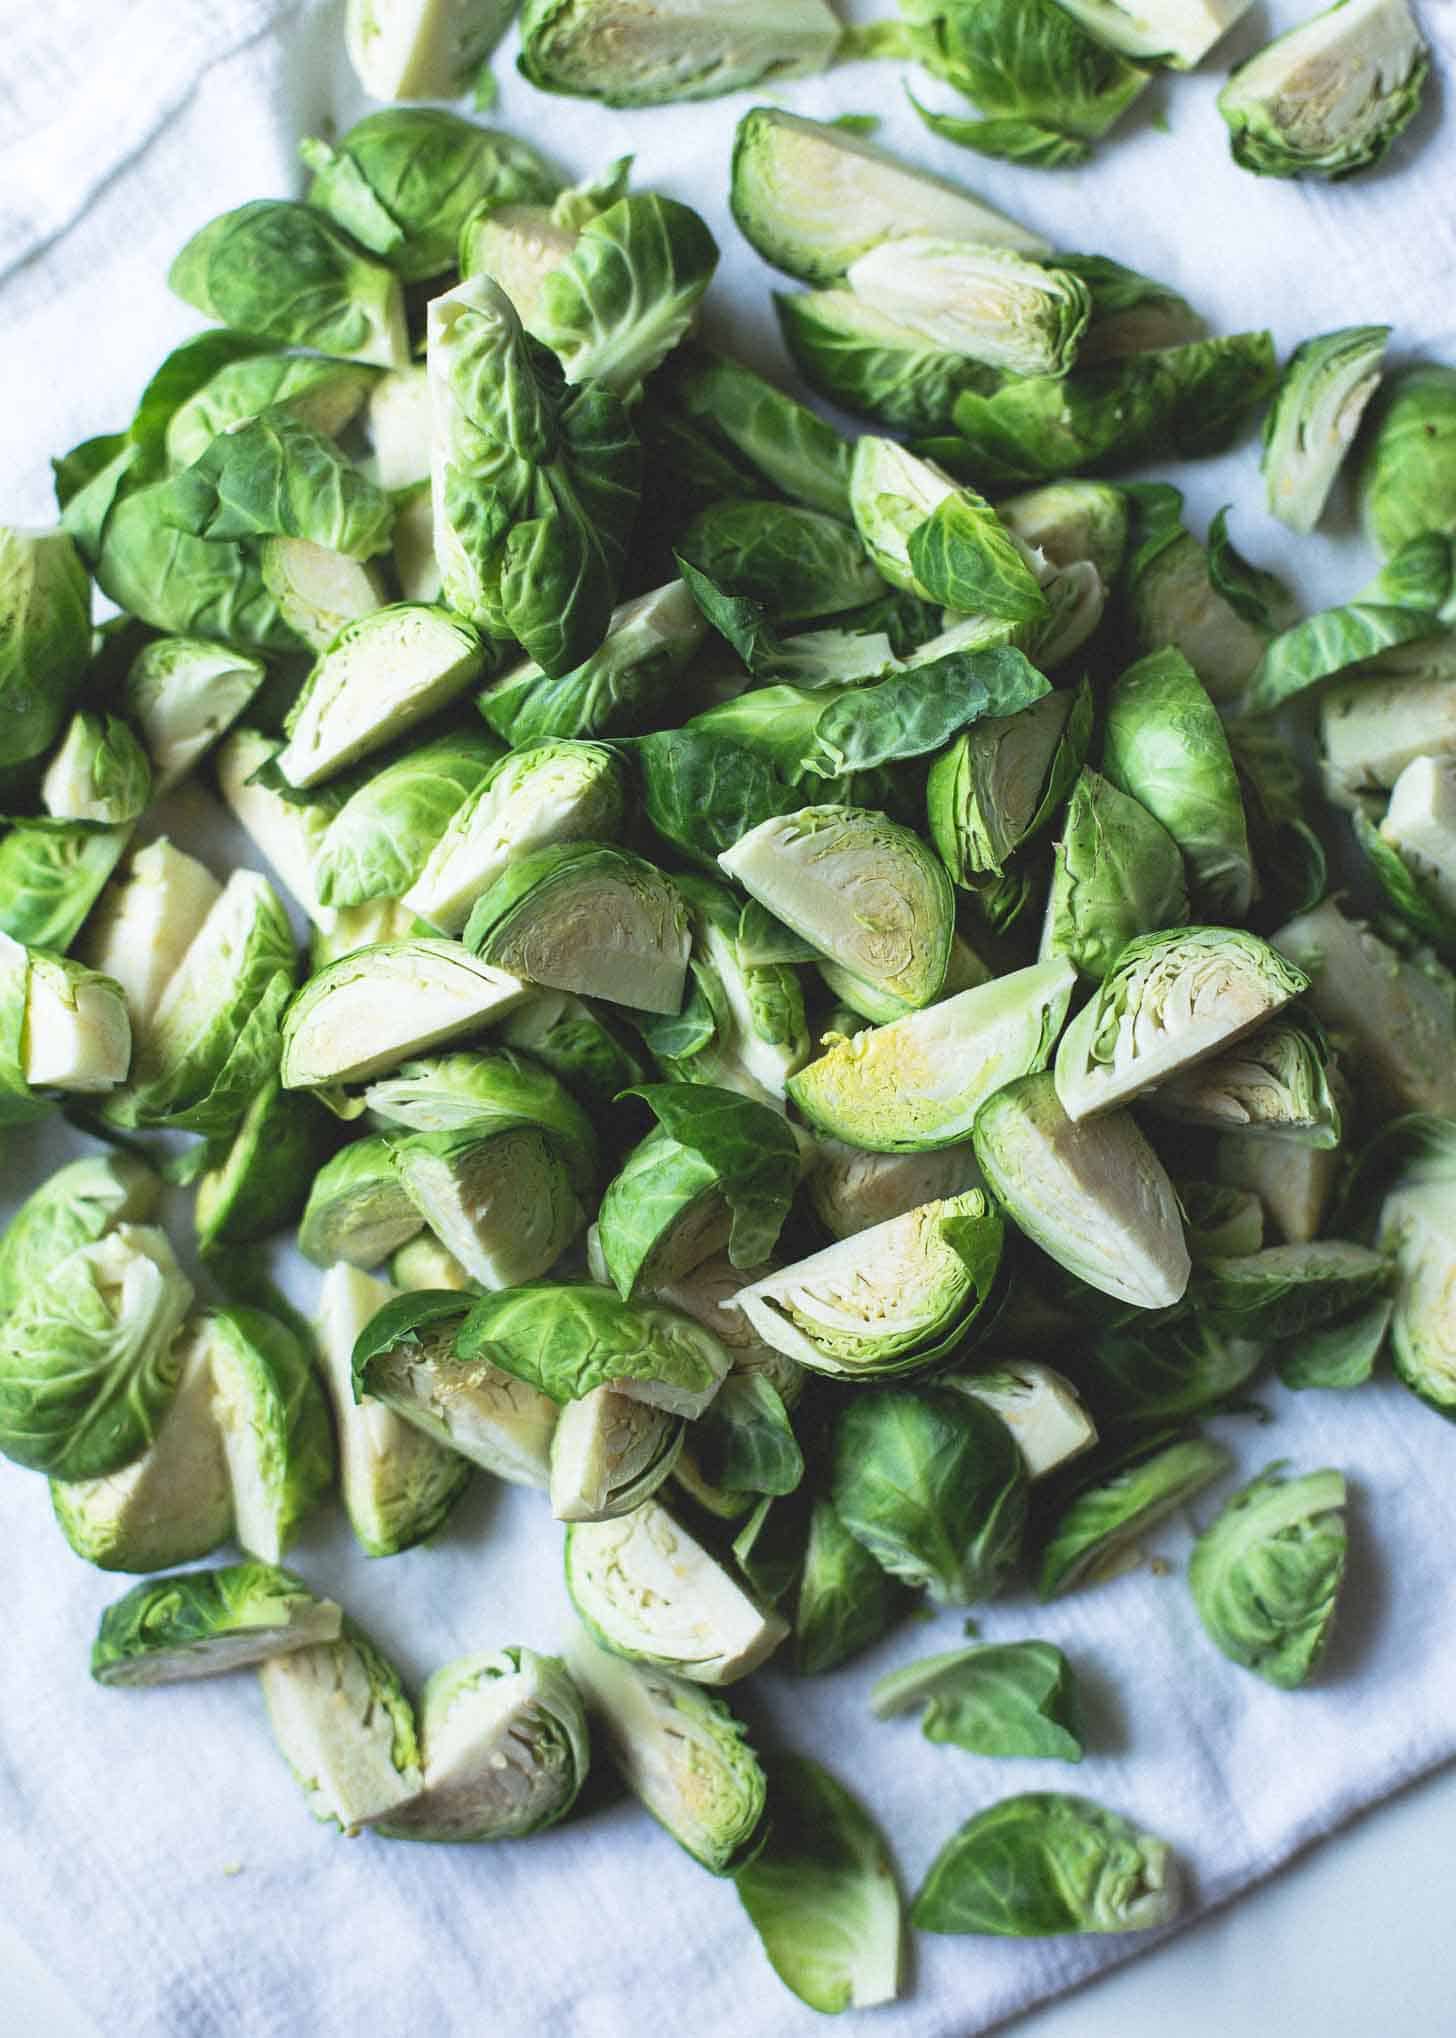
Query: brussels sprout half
x,y
647,52
345,1727
204,1623
377,1007
422,49
1330,96
274,1420
1265,1574
609,1453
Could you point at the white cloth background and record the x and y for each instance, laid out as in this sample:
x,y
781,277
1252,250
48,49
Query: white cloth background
x,y
153,1847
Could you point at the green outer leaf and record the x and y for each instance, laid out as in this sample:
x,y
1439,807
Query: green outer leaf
x,y
51,877
1289,1288
566,1340
1012,1698
1265,1574
627,292
1256,596
1118,873
798,564
1405,472
1338,1355
921,710
661,1205
750,1149
846,1599
1014,141
1093,1538
702,792
260,1183
1025,61
963,556
398,1327
1329,643
274,476
186,586
266,1383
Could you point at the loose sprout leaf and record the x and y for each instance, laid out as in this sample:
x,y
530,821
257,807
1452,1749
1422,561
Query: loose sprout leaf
x,y
1096,1537
567,1339
1265,1574
1027,65
846,1599
750,1149
1014,1698
921,710
1404,478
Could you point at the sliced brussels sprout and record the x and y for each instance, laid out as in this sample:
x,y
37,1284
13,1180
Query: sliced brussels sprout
x,y
172,1504
518,247
422,49
1039,1406
680,1752
1169,1002
320,591
846,1601
422,1262
933,1485
344,1726
1372,725
859,1002
1011,1698
358,1208
566,1339
380,675
1415,1227
647,52
1015,316
204,1623
397,423
626,682
709,1294
1317,408
1221,1220
1414,850
1095,1537
79,1204
380,839
812,197
1117,873
851,1190
45,611
1176,602
98,773
1329,97
1175,32
589,918
1265,1574
1071,521
1001,781
1277,1082
856,356
1397,1019
1285,1289
287,832
326,395
397,1485
184,693
609,1454
887,1300
1294,1183
375,1008
62,1027
504,1749
578,1047
920,1081
275,1425
261,1181
500,1198
486,1092
644,1589
1093,1195
936,540
1045,1863
1407,478
51,876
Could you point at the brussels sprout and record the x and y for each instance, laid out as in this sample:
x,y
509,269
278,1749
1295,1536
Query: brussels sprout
x,y
486,1092
865,891
1117,873
1338,1355
287,831
375,1008
624,683
1221,1220
609,1454
1093,1194
320,591
260,1182
1044,1863
920,1081
422,1262
422,49
204,1623
404,1359
577,1046
504,1750
45,638
322,394
1415,1227
1293,1183
183,693
589,918
275,1425
535,487
859,358
1317,408
383,836
1095,1537
99,773
566,1339
851,1190
1397,1019
403,181
1265,1575
1013,1698
630,53
797,563
1002,781
709,1294
345,1728
1277,1082
1373,724
62,1027
646,1590
1039,1407
168,1506
759,1032
499,1197
1015,316
1402,605
518,247
1071,521
788,445
846,1601
1289,1288
416,567
77,1206
1407,479
397,421
1139,1379
938,541
811,198
287,273
50,878
182,585
1179,33
858,1002
358,1208
680,1752
1413,852
379,677
397,1485
146,921
1329,97
1180,596
933,1486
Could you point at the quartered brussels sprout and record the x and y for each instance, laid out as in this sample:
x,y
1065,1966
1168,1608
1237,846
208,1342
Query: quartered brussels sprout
x,y
920,1081
1092,1194
204,1623
1329,97
1095,1538
77,1206
62,1027
625,682
172,1504
1015,316
274,1420
631,53
45,638
1277,1081
1339,1355
1169,1002
500,1198
743,1026
51,875
709,1294
821,1893
422,49
1266,1574
183,693
368,1012
344,1726
1045,1863
1415,1227
1038,1405
1294,1183
286,832
1221,1220
1317,408
1175,32
812,198
396,1483
382,836
1407,479
98,773
1205,604
609,1454
1413,852
1117,873
1011,1698
859,1002
933,1485
261,1181
646,1590
856,356
503,1748
887,1300
680,1752
1001,782
518,246
851,1190
565,1339
358,1208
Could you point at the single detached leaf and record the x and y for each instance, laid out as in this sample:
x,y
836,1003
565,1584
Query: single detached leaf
x,y
750,1148
1013,1698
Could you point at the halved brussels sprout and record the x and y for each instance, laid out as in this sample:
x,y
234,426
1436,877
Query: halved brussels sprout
x,y
275,1425
1330,96
78,1205
204,1623
1277,1082
1175,32
1416,1227
645,1589
920,1081
1265,1574
812,197
183,693
609,1453
1093,1195
1002,781
566,1339
1117,873
422,49
500,1198
1317,408
1039,1406
345,1728
45,642
503,1743
375,1008
1294,1184
261,1181
1095,1537
358,1209
1011,1698
646,52
51,876
99,773
1407,479
62,1027
382,836
680,1752
319,591
991,304
852,1190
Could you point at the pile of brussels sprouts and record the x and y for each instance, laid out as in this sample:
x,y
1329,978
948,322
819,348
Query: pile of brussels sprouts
x,y
826,1042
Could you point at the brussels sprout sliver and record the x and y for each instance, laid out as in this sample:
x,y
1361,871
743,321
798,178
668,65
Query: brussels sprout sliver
x,y
62,1027
811,198
1328,98
866,892
99,773
500,1198
1277,1082
1407,479
1175,32
609,1454
275,1425
680,1752
1266,1574
1092,1195
371,1010
566,1339
1095,1537
45,638
920,1081
646,1590
589,918
422,49
1039,1407
504,1748
1312,421
183,693
205,1623
1170,1000
1044,1863
344,1726
1002,781
647,52
1015,1698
